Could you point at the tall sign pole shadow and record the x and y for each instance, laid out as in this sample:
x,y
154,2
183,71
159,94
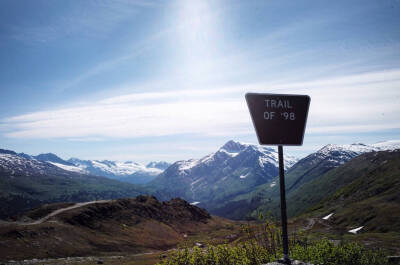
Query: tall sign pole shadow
x,y
279,119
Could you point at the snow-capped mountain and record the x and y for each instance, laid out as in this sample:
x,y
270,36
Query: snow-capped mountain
x,y
57,161
304,171
266,156
28,182
387,145
233,169
125,171
13,164
339,154
329,157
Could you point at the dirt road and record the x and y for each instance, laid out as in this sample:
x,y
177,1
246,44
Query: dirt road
x,y
52,214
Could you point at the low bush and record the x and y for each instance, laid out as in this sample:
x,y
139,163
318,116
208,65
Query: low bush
x,y
321,252
263,244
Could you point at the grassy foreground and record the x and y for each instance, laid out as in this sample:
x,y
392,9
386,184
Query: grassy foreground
x,y
263,245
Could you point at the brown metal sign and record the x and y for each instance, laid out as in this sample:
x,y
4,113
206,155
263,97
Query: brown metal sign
x,y
279,119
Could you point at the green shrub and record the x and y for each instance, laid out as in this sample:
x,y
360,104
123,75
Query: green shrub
x,y
263,244
251,253
325,252
246,254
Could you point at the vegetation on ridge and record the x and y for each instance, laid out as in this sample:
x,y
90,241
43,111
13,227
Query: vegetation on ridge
x,y
263,246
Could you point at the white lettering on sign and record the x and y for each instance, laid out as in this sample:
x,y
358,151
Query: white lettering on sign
x,y
278,104
288,115
269,115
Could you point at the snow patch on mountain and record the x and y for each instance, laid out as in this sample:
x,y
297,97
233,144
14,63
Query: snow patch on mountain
x,y
355,230
339,154
187,164
69,168
328,216
244,176
360,148
355,148
387,145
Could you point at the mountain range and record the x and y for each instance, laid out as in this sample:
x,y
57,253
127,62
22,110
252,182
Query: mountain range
x,y
27,183
237,181
127,171
359,195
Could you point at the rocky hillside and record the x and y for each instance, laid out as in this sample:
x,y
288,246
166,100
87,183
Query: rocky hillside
x,y
102,228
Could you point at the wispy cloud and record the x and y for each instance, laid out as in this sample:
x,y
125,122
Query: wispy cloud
x,y
88,19
354,103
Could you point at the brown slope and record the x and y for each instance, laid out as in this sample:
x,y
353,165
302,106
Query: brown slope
x,y
119,226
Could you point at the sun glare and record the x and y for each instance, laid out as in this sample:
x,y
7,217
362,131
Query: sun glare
x,y
197,37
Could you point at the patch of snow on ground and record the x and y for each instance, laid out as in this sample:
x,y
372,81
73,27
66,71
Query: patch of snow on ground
x,y
194,203
355,230
328,216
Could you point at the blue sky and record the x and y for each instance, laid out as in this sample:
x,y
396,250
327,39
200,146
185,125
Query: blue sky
x,y
165,80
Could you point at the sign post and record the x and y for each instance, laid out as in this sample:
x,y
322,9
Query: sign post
x,y
279,119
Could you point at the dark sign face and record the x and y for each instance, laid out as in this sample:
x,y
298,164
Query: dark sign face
x,y
278,119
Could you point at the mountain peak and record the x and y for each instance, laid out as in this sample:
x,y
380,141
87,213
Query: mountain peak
x,y
50,157
234,146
